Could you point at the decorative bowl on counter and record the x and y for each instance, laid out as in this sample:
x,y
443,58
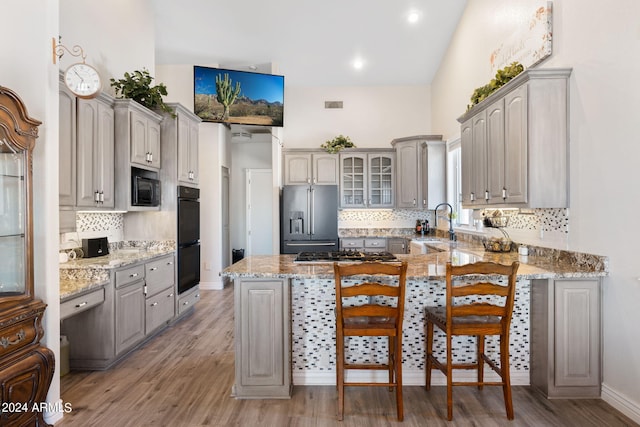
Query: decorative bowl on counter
x,y
495,244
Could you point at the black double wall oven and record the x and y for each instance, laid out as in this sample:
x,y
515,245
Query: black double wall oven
x,y
188,238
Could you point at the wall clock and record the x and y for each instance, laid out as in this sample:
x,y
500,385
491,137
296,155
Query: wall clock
x,y
83,80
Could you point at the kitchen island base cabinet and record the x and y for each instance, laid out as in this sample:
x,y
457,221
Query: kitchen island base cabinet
x,y
262,339
566,338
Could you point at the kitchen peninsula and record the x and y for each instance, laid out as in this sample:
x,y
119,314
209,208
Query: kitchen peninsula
x,y
285,331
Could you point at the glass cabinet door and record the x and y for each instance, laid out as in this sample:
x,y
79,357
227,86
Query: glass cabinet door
x,y
353,181
381,180
12,219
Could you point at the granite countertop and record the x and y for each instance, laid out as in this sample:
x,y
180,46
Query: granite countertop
x,y
80,276
429,266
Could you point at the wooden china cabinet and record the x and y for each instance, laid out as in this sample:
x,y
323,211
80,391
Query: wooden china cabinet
x,y
26,367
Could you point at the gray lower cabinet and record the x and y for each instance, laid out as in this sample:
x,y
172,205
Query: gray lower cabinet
x,y
104,325
129,316
566,354
397,245
159,310
262,338
187,300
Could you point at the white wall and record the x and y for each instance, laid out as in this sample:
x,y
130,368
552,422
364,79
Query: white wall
x,y
117,36
600,42
371,117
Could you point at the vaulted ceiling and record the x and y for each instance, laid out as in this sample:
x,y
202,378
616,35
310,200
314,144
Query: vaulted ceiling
x,y
311,43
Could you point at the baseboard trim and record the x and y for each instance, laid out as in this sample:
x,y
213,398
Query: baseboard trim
x,y
212,286
622,403
55,412
409,377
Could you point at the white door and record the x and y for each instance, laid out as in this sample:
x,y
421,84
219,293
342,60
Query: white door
x,y
259,184
226,246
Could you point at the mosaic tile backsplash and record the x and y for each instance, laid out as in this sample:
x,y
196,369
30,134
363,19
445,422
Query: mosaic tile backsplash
x,y
554,220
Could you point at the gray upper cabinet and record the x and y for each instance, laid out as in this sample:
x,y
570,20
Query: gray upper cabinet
x,y
180,147
310,167
420,171
137,135
67,149
145,139
367,179
515,144
86,156
95,153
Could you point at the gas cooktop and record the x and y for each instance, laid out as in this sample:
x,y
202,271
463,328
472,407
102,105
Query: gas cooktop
x,y
344,255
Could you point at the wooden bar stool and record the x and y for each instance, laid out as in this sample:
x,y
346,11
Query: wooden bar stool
x,y
378,316
491,315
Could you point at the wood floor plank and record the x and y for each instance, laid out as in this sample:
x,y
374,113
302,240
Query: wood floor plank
x,y
183,378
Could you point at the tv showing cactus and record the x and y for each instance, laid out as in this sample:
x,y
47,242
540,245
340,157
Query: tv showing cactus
x,y
238,97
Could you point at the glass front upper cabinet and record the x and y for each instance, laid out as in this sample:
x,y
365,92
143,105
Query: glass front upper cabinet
x,y
18,133
12,219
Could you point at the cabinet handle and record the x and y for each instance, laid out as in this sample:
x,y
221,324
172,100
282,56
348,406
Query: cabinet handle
x,y
154,304
153,268
6,342
414,202
170,263
170,295
486,195
96,196
185,303
82,304
197,295
472,197
424,203
504,193
151,154
102,197
133,275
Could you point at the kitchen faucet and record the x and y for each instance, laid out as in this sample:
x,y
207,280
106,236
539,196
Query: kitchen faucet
x,y
452,234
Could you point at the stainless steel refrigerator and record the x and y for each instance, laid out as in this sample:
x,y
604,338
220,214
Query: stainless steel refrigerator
x,y
309,218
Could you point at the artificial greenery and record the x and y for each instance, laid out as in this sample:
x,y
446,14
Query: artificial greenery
x,y
338,143
137,86
502,77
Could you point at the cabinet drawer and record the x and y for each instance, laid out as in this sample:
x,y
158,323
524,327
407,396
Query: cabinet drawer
x,y
378,244
129,275
159,274
159,309
81,303
188,300
351,243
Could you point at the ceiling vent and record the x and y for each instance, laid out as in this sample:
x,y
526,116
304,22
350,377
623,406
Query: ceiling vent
x,y
332,104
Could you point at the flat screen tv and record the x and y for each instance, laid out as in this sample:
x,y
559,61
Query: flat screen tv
x,y
238,97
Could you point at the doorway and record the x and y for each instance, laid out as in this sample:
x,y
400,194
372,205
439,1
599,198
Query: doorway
x,y
259,215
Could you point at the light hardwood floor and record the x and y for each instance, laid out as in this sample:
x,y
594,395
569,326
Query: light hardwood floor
x,y
183,377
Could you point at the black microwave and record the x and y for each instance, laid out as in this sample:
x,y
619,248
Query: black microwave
x,y
145,191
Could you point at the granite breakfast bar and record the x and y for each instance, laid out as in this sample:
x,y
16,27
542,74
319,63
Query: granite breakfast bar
x,y
285,332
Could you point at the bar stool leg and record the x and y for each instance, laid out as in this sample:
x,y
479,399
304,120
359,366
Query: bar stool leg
x,y
429,362
480,360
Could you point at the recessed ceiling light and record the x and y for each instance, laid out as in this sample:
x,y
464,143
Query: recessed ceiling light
x,y
358,63
413,16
